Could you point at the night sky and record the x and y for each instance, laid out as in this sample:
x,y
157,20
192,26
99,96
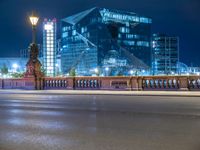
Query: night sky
x,y
174,17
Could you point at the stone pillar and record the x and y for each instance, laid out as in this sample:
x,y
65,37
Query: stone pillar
x,y
105,83
140,82
136,84
183,83
1,83
71,83
33,69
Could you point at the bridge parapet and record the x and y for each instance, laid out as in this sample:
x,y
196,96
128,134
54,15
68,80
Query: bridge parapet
x,y
194,82
58,83
157,83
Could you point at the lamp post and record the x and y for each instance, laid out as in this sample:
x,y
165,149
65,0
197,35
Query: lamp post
x,y
33,66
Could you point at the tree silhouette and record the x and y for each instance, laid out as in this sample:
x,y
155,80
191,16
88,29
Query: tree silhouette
x,y
4,69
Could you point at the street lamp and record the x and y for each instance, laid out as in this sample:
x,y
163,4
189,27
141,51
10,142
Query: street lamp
x,y
107,69
15,66
33,66
131,72
34,20
96,70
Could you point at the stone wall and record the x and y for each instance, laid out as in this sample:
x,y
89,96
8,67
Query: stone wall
x,y
20,83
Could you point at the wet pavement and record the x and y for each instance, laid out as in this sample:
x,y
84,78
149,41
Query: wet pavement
x,y
101,122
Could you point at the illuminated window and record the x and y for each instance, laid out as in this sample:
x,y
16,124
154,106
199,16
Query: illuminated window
x,y
74,32
143,43
124,30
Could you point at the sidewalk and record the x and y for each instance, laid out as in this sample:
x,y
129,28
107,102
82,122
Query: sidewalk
x,y
101,92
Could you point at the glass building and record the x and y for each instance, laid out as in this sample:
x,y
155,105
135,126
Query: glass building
x,y
165,54
49,46
111,41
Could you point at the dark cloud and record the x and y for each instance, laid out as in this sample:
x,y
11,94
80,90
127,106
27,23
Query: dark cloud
x,y
175,17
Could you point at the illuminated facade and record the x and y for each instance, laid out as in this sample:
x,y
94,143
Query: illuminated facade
x,y
165,54
105,39
49,47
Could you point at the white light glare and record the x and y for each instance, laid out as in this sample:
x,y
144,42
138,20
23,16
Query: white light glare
x,y
15,66
96,70
131,72
48,26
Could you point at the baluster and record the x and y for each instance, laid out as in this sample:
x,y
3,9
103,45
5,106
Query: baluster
x,y
198,83
151,83
155,83
61,84
91,84
164,86
172,83
160,83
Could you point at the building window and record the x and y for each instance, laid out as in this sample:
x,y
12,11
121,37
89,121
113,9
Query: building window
x,y
74,32
124,30
65,34
143,43
144,20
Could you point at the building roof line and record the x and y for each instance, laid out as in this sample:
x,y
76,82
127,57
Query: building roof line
x,y
74,19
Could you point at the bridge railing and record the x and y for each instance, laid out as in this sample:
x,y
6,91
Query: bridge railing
x,y
160,83
139,83
171,83
57,83
194,83
87,83
17,83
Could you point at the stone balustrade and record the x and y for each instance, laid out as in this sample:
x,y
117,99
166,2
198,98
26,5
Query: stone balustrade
x,y
157,83
58,83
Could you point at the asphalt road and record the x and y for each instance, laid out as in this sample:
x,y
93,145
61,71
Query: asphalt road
x,y
101,122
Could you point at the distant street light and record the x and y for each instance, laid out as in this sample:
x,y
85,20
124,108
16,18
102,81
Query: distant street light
x,y
96,70
131,72
15,66
106,69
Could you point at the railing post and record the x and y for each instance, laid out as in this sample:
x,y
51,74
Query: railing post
x,y
140,83
136,84
1,83
70,83
183,83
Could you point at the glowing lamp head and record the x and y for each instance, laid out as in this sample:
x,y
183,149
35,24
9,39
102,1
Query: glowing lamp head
x,y
34,20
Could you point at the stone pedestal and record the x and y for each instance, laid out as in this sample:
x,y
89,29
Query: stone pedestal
x,y
136,84
183,83
33,74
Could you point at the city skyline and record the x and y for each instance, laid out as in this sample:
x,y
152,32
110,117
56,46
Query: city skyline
x,y
175,18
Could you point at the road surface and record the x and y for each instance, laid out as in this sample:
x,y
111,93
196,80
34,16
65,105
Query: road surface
x,y
99,122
